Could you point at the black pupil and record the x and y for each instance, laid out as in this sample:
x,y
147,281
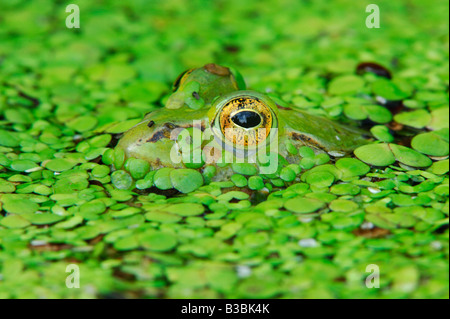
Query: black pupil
x,y
246,119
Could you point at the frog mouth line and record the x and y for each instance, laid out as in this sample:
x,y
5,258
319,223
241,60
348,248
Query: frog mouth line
x,y
306,140
166,131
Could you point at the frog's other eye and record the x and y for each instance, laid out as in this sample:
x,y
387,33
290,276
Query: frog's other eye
x,y
180,79
244,118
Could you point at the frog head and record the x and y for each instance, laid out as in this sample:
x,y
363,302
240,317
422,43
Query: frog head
x,y
211,120
153,139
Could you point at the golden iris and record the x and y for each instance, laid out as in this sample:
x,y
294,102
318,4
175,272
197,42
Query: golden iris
x,y
245,119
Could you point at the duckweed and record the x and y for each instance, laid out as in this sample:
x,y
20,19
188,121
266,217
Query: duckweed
x,y
430,144
309,230
186,180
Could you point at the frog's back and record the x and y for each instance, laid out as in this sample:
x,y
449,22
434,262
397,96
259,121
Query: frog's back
x,y
320,132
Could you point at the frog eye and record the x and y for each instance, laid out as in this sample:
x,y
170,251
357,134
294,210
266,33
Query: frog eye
x,y
244,118
180,79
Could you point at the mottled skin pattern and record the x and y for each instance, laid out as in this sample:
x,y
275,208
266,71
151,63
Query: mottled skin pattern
x,y
151,139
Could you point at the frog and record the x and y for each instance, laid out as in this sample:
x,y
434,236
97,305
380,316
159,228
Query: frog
x,y
212,119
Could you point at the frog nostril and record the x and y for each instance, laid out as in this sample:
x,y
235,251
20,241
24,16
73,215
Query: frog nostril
x,y
246,119
196,95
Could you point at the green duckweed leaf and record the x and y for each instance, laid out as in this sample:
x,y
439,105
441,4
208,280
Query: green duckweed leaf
x,y
186,180
418,118
375,154
302,205
409,156
430,144
159,242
